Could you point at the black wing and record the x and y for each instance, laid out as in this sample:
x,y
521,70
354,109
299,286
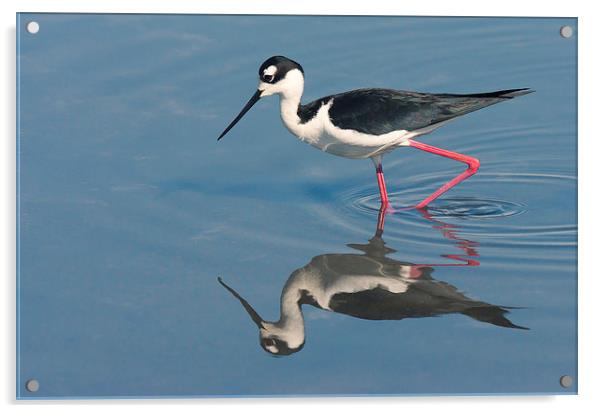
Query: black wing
x,y
379,111
428,300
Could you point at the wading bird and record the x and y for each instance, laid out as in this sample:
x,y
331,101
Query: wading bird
x,y
371,286
368,123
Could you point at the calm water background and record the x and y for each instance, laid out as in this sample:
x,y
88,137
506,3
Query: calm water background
x,y
129,209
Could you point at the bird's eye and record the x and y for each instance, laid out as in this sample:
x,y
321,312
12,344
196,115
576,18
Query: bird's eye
x,y
268,342
268,78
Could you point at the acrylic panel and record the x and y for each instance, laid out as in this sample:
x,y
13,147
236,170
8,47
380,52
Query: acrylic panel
x,y
156,261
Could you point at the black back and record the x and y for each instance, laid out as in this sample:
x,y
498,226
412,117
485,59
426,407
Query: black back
x,y
422,299
379,111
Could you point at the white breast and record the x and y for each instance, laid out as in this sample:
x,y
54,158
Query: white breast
x,y
322,284
323,134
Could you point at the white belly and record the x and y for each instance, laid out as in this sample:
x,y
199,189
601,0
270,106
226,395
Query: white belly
x,y
355,145
321,133
322,282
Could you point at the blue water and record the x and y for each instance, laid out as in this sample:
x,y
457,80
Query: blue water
x,y
129,209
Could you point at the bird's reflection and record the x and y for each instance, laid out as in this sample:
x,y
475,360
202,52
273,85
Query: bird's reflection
x,y
371,286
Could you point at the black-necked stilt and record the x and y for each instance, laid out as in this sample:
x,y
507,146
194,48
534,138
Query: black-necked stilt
x,y
367,123
370,286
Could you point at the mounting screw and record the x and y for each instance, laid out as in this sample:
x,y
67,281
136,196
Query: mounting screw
x,y
566,31
32,385
33,27
566,381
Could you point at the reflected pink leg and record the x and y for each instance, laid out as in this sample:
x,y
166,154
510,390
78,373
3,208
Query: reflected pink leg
x,y
380,224
473,166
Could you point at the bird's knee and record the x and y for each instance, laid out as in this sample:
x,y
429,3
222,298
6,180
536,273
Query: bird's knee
x,y
473,164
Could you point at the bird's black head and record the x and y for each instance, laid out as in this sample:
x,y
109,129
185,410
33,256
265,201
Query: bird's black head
x,y
277,75
273,337
278,347
275,69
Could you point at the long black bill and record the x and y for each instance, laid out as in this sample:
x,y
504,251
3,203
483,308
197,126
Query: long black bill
x,y
244,110
254,316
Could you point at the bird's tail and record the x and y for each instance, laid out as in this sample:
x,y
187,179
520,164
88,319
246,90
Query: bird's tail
x,y
508,93
492,314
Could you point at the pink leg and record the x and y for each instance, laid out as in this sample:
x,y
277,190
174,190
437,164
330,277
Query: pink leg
x,y
473,166
384,198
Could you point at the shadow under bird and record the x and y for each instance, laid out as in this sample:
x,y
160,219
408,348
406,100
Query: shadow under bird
x,y
368,123
370,286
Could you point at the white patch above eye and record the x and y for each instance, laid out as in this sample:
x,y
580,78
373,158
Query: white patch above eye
x,y
270,70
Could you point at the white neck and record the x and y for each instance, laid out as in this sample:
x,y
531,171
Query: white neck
x,y
291,323
290,90
290,98
291,87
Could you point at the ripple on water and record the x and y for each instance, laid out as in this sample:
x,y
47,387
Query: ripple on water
x,y
459,207
476,208
492,220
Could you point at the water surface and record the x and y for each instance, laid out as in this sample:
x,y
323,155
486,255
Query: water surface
x,y
129,209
